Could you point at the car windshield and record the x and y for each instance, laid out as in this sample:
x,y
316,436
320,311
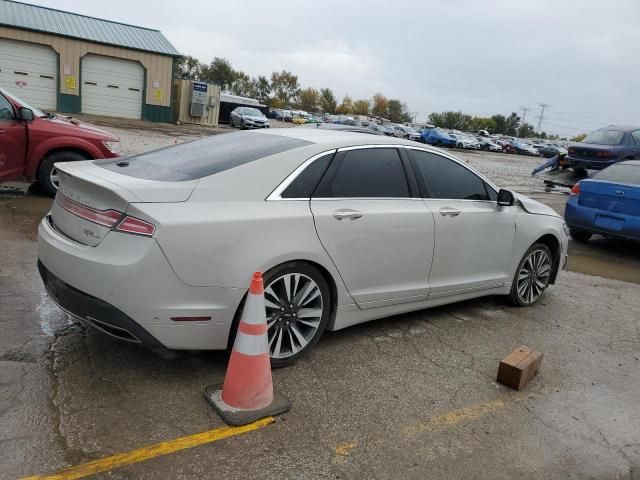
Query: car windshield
x,y
36,111
252,111
410,130
604,137
620,173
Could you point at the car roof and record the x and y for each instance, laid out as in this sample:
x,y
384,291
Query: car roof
x,y
336,138
621,128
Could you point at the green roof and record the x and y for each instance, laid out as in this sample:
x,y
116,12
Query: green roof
x,y
57,22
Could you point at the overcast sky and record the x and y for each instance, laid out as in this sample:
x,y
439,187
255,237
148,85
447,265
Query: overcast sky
x,y
479,56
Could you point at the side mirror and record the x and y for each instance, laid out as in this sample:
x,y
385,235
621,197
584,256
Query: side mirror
x,y
505,198
26,114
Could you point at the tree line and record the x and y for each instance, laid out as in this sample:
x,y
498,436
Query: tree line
x,y
511,125
283,90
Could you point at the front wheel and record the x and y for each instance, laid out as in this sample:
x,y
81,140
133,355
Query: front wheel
x,y
532,276
298,306
48,173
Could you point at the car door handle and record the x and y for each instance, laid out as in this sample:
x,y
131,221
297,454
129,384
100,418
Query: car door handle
x,y
449,212
350,214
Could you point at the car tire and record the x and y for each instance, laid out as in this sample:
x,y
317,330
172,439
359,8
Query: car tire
x,y
274,284
47,173
580,235
534,270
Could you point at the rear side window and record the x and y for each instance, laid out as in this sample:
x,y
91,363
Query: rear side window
x,y
620,173
305,183
444,178
366,173
604,137
201,158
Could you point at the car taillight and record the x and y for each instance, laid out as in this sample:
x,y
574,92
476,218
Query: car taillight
x,y
575,190
605,154
136,226
572,151
106,218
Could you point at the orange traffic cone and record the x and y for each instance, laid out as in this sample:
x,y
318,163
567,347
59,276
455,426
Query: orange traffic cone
x,y
247,394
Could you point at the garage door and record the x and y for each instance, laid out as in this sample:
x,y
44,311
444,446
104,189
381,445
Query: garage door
x,y
112,87
30,72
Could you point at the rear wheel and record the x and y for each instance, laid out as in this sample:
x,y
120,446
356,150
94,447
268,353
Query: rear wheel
x,y
298,307
580,235
48,173
532,276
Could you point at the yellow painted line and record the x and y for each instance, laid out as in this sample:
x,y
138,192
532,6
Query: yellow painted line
x,y
453,417
152,451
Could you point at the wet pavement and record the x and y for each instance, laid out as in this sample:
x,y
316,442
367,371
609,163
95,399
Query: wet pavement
x,y
412,396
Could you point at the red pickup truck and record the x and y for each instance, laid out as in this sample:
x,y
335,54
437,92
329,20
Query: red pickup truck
x,y
32,141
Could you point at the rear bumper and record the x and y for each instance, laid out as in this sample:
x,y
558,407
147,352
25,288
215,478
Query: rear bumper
x,y
126,283
588,164
583,218
93,311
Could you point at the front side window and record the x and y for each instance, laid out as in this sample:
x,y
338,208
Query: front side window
x,y
6,110
366,173
636,136
444,178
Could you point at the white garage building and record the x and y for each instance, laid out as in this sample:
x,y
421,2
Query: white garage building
x,y
61,61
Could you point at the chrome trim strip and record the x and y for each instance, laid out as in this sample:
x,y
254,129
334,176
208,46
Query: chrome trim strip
x,y
275,195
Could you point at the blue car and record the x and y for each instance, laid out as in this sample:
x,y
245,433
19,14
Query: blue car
x,y
605,147
437,137
608,203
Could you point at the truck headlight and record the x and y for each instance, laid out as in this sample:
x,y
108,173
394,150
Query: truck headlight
x,y
112,145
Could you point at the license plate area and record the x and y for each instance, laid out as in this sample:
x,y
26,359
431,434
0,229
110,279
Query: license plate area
x,y
609,223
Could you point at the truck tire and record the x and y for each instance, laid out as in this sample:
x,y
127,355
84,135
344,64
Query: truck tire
x,y
47,174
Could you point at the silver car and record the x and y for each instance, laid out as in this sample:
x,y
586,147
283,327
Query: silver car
x,y
247,117
159,248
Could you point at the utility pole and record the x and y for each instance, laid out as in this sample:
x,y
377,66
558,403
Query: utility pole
x,y
525,110
541,117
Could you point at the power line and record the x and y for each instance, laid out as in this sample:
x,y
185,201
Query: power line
x,y
597,117
541,117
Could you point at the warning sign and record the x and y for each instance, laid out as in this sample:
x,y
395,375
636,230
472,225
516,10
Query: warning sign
x,y
70,82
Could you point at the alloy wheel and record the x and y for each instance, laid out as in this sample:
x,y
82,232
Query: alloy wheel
x,y
533,276
54,177
294,307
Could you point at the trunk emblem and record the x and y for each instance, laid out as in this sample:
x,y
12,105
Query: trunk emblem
x,y
619,192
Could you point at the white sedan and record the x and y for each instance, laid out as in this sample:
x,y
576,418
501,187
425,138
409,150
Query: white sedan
x,y
348,227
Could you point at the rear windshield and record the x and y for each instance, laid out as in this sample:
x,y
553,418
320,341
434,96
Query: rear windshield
x,y
604,137
620,173
201,158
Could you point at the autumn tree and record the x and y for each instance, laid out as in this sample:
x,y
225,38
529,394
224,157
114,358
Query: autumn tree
x,y
309,99
379,106
361,107
285,87
346,107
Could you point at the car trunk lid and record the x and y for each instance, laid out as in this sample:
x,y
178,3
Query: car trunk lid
x,y
610,197
91,201
592,152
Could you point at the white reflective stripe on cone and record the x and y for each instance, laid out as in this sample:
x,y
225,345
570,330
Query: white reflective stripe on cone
x,y
254,312
251,344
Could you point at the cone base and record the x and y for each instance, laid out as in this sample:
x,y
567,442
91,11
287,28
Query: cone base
x,y
234,416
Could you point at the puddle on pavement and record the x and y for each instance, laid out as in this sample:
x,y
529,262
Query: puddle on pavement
x,y
607,268
23,213
52,319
